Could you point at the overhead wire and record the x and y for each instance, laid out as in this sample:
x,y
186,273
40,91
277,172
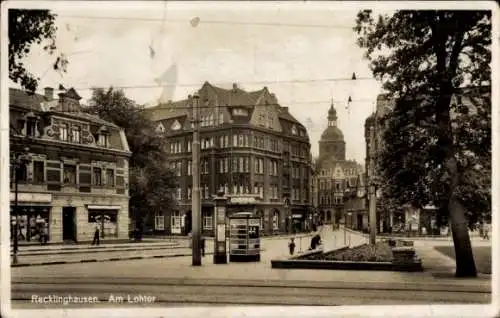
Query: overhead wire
x,y
270,24
263,82
187,106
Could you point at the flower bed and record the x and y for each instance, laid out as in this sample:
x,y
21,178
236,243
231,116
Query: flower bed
x,y
363,253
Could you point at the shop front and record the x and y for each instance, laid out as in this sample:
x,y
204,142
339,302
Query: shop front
x,y
33,215
298,219
106,217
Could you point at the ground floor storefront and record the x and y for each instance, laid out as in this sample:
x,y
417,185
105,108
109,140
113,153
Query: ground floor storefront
x,y
275,217
68,217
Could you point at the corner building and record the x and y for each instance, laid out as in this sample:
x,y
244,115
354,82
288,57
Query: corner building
x,y
251,148
76,173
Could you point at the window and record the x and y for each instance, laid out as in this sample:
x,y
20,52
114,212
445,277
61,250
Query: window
x,y
189,167
226,141
208,220
110,177
235,140
176,222
190,192
242,165
211,120
235,165
38,172
103,140
178,194
221,118
221,141
276,218
31,127
241,139
261,166
190,143
226,189
69,174
97,176
159,221
63,132
178,168
76,134
247,165
204,167
270,121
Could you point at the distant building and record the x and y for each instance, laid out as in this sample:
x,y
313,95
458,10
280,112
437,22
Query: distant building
x,y
77,173
335,177
252,149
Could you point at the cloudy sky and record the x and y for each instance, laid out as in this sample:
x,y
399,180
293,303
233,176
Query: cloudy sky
x,y
305,53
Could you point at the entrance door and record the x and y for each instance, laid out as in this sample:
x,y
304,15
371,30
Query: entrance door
x,y
69,224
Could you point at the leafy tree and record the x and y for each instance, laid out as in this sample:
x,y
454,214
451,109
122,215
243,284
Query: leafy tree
x,y
28,27
436,148
151,180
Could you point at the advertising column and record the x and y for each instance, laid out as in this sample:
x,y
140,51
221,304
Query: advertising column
x,y
220,254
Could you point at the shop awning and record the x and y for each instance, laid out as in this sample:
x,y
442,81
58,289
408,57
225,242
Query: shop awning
x,y
104,207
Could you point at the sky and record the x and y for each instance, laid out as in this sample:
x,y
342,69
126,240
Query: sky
x,y
252,44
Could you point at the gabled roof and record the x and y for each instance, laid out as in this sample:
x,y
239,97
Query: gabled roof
x,y
29,101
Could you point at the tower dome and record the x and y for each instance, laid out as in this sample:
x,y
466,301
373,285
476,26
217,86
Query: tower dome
x,y
332,132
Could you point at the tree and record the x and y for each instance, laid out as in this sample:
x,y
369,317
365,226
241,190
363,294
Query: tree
x,y
424,59
28,27
151,180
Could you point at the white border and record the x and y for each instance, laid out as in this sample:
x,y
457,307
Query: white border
x,y
355,311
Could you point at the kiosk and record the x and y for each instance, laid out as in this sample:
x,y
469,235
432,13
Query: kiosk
x,y
244,238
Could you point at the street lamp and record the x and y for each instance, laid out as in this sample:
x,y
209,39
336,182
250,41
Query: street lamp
x,y
21,160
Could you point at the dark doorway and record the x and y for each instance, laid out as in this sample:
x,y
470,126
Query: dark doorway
x,y
69,228
188,222
360,222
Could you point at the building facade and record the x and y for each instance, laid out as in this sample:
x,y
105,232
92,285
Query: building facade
x,y
76,172
335,177
252,149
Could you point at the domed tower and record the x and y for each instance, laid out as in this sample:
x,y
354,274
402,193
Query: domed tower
x,y
332,142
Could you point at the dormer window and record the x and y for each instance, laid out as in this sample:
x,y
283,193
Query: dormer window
x,y
31,125
175,126
240,112
294,130
221,118
160,128
103,140
63,132
76,134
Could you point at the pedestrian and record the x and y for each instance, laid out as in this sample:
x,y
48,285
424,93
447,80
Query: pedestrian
x,y
291,246
486,231
97,229
202,246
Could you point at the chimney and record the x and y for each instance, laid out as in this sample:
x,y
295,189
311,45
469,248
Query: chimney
x,y
235,86
49,93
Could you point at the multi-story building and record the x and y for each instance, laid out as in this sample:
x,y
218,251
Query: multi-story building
x,y
408,218
75,171
335,176
252,149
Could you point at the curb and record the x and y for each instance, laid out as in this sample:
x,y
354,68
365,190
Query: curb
x,y
112,259
95,250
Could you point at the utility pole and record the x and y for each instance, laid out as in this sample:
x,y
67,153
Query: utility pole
x,y
372,190
196,200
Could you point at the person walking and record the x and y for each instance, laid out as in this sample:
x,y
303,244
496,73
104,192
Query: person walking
x,y
291,246
486,231
97,230
202,246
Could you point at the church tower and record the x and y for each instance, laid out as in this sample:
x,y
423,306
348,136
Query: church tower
x,y
332,142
